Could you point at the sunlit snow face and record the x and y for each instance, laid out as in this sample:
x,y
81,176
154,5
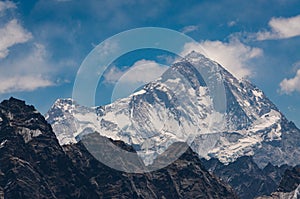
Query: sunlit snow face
x,y
176,105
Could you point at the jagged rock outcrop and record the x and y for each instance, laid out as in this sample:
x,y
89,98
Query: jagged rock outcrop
x,y
289,187
34,165
290,180
247,179
253,145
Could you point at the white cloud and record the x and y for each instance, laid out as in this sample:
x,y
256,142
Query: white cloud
x,y
188,29
106,48
139,74
231,23
113,75
23,83
232,55
142,71
30,68
5,5
26,73
11,34
288,86
167,59
281,28
20,73
296,66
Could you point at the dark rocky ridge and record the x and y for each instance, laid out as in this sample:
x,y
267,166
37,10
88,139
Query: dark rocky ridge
x,y
256,127
184,178
289,187
290,180
247,179
34,165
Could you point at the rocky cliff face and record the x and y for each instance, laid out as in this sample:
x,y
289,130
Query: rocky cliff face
x,y
249,151
34,165
289,187
290,180
248,180
184,178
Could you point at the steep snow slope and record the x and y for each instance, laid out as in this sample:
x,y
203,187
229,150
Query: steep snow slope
x,y
186,104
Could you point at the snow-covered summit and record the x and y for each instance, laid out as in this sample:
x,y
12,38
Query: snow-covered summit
x,y
183,105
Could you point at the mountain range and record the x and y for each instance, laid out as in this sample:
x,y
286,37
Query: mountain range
x,y
179,107
205,129
34,165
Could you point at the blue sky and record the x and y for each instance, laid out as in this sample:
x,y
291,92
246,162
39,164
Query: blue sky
x,y
42,43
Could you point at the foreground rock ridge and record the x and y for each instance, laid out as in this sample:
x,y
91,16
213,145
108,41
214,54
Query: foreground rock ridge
x,y
289,187
250,149
34,165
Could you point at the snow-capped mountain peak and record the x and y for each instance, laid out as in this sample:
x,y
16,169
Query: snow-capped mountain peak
x,y
235,120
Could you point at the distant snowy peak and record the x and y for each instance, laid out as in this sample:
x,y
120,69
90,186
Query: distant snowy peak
x,y
68,119
182,105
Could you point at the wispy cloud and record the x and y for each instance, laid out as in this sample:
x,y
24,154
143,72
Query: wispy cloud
x,y
188,29
280,28
142,71
24,70
232,55
5,5
231,23
11,31
296,66
23,83
288,86
113,75
167,59
11,34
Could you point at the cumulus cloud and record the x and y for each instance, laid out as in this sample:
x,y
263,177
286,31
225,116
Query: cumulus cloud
x,y
142,71
288,86
232,55
26,73
25,70
281,28
188,29
12,33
